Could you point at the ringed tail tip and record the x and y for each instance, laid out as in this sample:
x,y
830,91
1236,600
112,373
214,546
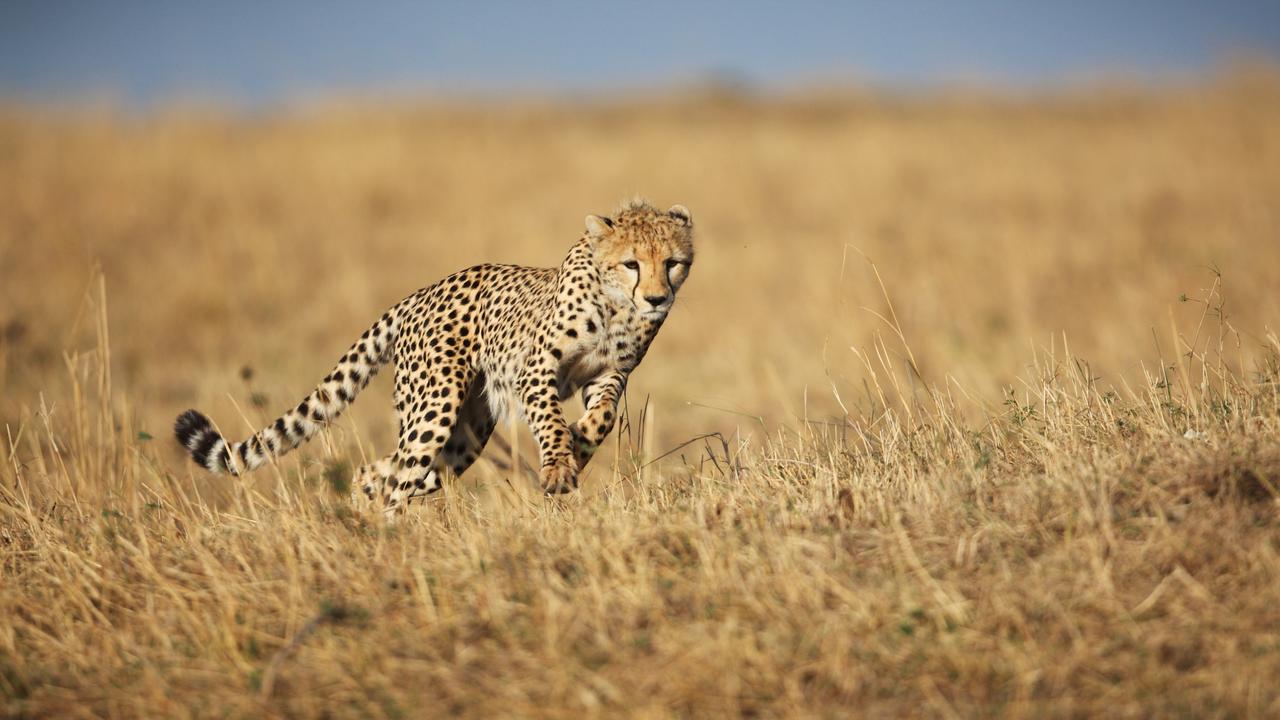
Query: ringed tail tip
x,y
196,433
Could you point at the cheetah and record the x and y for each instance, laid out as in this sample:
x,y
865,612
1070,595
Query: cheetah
x,y
488,341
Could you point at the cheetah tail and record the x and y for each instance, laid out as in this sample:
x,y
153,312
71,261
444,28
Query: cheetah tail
x,y
339,388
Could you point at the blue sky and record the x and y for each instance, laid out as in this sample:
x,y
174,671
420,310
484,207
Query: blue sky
x,y
147,51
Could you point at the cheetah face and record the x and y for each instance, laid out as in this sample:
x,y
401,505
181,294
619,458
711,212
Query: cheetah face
x,y
644,256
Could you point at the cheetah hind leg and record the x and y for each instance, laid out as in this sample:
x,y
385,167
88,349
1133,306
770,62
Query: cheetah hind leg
x,y
470,434
374,484
423,434
370,481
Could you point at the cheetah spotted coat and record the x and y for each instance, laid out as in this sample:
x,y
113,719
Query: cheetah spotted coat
x,y
485,342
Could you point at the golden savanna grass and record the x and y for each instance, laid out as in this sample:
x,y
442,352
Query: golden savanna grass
x,y
971,406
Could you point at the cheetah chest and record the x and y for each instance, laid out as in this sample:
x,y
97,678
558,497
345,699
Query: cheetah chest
x,y
594,353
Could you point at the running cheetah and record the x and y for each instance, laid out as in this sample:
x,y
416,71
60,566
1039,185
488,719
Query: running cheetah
x,y
487,341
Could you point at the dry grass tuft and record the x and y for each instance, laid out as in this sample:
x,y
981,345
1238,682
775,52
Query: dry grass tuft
x,y
1252,474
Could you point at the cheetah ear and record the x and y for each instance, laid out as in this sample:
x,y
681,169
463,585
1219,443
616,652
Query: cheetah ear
x,y
681,213
598,226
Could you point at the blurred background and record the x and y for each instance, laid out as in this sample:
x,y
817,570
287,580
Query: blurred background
x,y
251,54
253,183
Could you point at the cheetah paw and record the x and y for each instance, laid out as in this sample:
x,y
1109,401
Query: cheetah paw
x,y
558,478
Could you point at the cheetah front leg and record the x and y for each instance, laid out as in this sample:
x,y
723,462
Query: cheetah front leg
x,y
600,398
559,472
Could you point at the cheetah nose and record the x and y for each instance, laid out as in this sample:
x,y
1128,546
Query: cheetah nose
x,y
656,300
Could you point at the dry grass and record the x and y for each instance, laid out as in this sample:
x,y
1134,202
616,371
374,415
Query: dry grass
x,y
907,498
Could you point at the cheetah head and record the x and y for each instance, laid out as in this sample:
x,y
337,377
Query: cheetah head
x,y
644,254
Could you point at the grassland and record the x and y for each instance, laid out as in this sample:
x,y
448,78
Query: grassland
x,y
971,406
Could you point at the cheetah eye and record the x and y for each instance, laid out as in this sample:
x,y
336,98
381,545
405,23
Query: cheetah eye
x,y
673,264
631,265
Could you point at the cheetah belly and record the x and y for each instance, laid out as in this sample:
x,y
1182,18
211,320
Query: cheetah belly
x,y
498,395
